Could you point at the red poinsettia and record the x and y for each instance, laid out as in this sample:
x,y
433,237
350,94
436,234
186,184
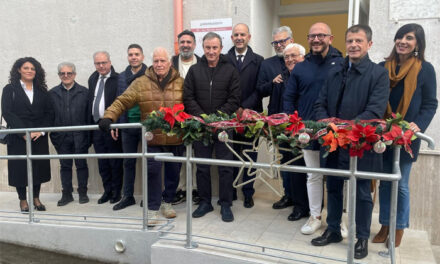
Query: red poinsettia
x,y
362,138
296,124
174,114
399,137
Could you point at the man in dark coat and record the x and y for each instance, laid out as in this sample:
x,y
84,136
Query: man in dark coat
x,y
70,100
271,73
130,136
301,92
103,88
357,89
248,65
212,85
186,41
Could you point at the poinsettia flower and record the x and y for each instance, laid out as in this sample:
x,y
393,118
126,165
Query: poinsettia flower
x,y
359,132
395,132
169,117
174,114
182,116
358,149
341,137
296,125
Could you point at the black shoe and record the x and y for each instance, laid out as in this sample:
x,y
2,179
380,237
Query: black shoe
x,y
142,203
40,207
65,198
327,238
105,197
297,214
83,198
24,206
226,213
196,197
361,248
203,209
125,201
248,202
179,198
116,197
283,203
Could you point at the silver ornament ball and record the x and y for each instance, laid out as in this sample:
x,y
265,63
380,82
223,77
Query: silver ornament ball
x,y
223,136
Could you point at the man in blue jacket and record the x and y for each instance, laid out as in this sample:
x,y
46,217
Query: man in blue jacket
x,y
247,64
130,136
356,89
271,71
301,92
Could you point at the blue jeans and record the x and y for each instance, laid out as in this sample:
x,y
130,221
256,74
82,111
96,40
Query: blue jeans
x,y
402,218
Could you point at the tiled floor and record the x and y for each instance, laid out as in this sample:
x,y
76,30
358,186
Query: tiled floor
x,y
260,225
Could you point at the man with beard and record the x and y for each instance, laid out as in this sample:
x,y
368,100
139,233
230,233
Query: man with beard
x,y
271,74
300,95
247,64
182,62
130,136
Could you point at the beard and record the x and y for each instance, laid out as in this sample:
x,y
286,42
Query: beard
x,y
280,54
186,54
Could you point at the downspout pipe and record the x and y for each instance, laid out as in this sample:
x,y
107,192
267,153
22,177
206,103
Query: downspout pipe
x,y
178,22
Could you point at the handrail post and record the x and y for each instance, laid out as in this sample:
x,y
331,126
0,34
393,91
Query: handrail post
x,y
144,180
393,206
189,243
351,210
30,176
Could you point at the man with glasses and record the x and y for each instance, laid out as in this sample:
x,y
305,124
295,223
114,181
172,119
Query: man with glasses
x,y
103,88
69,100
271,73
300,95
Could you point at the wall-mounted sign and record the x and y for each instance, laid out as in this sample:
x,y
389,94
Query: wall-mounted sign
x,y
221,26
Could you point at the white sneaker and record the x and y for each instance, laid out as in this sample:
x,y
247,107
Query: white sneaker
x,y
167,210
344,229
311,225
153,217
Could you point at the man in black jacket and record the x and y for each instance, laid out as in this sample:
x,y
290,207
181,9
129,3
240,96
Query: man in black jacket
x,y
69,100
247,64
355,90
212,85
103,88
130,136
270,77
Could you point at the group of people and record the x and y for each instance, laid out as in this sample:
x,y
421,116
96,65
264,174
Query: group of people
x,y
319,85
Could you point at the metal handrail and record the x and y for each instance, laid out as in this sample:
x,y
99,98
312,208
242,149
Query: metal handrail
x,y
352,174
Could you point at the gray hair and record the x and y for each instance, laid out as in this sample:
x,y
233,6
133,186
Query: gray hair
x,y
67,64
282,29
211,35
301,49
159,49
103,52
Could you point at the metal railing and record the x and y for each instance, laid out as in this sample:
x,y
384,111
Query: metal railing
x,y
352,174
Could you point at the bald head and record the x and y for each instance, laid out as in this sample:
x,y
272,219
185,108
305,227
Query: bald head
x,y
240,37
161,62
319,38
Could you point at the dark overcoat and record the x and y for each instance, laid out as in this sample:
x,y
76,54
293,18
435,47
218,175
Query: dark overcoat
x,y
357,92
20,113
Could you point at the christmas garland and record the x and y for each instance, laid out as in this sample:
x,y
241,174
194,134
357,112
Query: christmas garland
x,y
357,136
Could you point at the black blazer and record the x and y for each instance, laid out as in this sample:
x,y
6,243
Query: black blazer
x,y
110,90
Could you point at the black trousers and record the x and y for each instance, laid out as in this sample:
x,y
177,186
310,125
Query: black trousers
x,y
22,192
247,189
110,169
203,174
82,170
298,183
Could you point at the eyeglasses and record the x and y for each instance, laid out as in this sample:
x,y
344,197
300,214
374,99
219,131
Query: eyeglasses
x,y
291,56
101,63
320,36
68,74
279,42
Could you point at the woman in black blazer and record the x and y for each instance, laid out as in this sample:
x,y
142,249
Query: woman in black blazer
x,y
26,104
